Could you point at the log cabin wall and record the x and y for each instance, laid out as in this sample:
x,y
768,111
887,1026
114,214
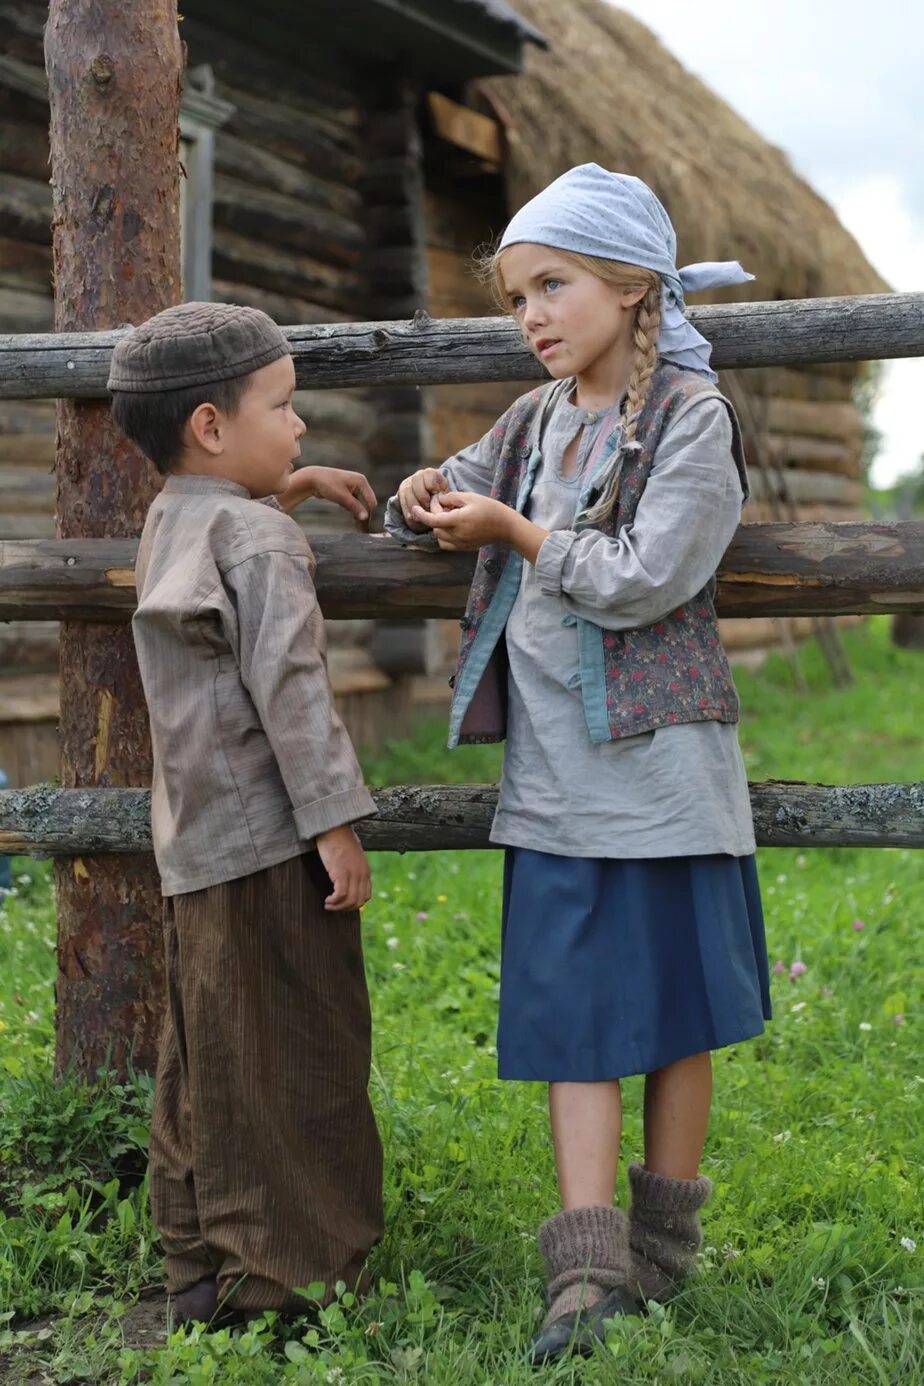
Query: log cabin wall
x,y
316,217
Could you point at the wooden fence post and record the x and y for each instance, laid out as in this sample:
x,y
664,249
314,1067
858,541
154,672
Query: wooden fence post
x,y
114,76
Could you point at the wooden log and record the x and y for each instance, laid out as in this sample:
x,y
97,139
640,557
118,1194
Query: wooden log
x,y
426,818
24,311
466,129
25,491
23,149
115,68
325,148
809,487
768,570
760,632
25,265
246,260
29,698
28,646
281,307
25,209
26,528
815,454
319,81
426,351
287,221
814,418
250,163
810,383
342,413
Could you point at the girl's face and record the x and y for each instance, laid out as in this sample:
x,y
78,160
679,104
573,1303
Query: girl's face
x,y
572,320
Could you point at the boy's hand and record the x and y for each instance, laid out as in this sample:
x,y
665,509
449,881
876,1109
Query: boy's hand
x,y
419,489
350,490
346,864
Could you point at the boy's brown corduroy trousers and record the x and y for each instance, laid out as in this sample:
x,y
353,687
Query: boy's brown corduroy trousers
x,y
265,1164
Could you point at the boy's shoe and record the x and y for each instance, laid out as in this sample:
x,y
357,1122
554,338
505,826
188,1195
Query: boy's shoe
x,y
198,1303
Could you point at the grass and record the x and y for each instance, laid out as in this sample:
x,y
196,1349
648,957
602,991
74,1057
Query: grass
x,y
812,1271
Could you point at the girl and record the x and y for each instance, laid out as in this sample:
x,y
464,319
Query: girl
x,y
632,936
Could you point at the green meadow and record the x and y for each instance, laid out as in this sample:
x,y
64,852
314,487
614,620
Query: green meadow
x,y
812,1267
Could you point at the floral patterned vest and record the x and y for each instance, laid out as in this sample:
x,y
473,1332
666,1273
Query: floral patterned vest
x,y
632,681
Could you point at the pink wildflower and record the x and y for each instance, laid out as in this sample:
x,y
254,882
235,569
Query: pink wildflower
x,y
898,1019
797,969
859,924
422,914
779,966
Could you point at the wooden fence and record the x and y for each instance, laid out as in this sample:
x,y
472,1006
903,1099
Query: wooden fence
x,y
769,569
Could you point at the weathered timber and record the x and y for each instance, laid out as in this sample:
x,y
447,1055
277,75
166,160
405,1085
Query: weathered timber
x,y
285,220
237,158
26,491
420,818
25,310
768,570
27,646
25,208
815,418
25,265
426,351
805,486
243,259
815,454
113,133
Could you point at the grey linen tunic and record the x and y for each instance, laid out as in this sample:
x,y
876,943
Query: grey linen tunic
x,y
680,790
251,760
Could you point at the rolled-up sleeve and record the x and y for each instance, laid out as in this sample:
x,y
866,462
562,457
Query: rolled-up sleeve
x,y
281,639
472,469
686,518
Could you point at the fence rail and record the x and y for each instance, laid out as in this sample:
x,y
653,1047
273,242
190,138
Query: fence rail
x,y
430,351
769,570
420,818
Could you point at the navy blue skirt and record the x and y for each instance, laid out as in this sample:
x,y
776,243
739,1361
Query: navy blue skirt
x,y
613,967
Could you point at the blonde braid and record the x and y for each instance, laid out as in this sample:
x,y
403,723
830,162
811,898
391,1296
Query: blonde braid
x,y
645,335
645,332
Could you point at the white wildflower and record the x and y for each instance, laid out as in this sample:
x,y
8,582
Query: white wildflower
x,y
865,1025
782,1137
909,1244
393,941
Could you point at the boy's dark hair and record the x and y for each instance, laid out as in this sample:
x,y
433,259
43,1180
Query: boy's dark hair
x,y
156,421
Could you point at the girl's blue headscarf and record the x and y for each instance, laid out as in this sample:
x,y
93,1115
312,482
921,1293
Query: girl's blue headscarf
x,y
591,211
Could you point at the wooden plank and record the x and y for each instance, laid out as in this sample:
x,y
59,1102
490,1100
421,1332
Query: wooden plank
x,y
809,487
26,491
768,570
425,818
426,351
815,454
814,418
29,698
465,128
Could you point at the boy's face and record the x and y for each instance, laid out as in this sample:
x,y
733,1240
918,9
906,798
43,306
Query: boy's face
x,y
259,445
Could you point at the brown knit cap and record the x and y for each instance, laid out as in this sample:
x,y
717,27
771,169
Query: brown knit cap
x,y
194,344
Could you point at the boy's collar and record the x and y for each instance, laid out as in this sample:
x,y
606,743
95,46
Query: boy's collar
x,y
189,485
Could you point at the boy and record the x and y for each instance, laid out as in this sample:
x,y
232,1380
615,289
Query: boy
x,y
265,1161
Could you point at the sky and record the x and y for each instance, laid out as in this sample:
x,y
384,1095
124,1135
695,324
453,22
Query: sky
x,y
835,84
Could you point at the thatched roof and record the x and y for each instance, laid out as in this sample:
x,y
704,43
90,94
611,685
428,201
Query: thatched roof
x,y
607,90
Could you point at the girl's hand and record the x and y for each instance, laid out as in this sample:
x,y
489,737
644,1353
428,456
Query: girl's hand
x,y
419,490
350,490
463,520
